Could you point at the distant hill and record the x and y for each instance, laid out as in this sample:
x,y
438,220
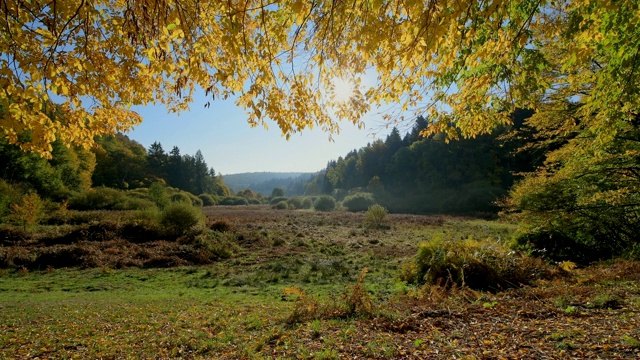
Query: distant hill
x,y
265,182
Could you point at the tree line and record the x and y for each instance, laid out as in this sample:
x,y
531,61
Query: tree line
x,y
115,162
418,174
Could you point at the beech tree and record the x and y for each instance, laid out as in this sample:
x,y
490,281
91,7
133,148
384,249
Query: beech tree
x,y
467,65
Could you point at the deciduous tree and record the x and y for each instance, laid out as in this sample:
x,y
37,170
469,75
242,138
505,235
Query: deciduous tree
x,y
467,64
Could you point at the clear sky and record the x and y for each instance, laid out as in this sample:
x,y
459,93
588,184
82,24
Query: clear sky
x,y
231,146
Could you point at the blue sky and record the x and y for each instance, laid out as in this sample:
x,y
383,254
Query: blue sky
x,y
231,146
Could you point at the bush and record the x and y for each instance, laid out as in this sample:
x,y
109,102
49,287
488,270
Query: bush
x,y
181,197
195,201
325,203
159,194
295,202
101,198
179,217
485,265
358,201
134,204
233,200
278,199
375,216
282,205
29,211
307,203
208,199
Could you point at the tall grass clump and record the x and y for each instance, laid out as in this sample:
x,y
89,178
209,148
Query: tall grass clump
x,y
481,265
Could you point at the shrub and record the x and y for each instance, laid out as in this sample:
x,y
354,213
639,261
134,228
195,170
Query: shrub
x,y
325,203
233,200
375,216
181,197
179,217
282,205
278,199
208,199
277,192
159,194
295,202
195,201
307,203
8,195
29,211
101,198
358,202
129,203
485,265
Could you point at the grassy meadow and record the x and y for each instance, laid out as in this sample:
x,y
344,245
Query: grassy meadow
x,y
299,284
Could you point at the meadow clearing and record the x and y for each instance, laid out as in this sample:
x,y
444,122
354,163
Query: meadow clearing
x,y
296,284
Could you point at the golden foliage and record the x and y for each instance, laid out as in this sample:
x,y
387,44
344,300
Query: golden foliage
x,y
466,64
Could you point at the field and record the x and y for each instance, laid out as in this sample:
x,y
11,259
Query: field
x,y
303,284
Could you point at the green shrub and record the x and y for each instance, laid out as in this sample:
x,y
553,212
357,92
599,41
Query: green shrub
x,y
358,202
181,197
142,193
307,203
129,203
282,205
195,201
485,265
325,203
8,196
375,216
295,202
208,199
278,199
159,194
233,200
179,217
100,198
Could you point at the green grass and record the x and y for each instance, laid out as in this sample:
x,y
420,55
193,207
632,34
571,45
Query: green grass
x,y
284,293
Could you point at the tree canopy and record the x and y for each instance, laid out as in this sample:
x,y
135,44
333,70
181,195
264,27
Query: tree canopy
x,y
466,65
